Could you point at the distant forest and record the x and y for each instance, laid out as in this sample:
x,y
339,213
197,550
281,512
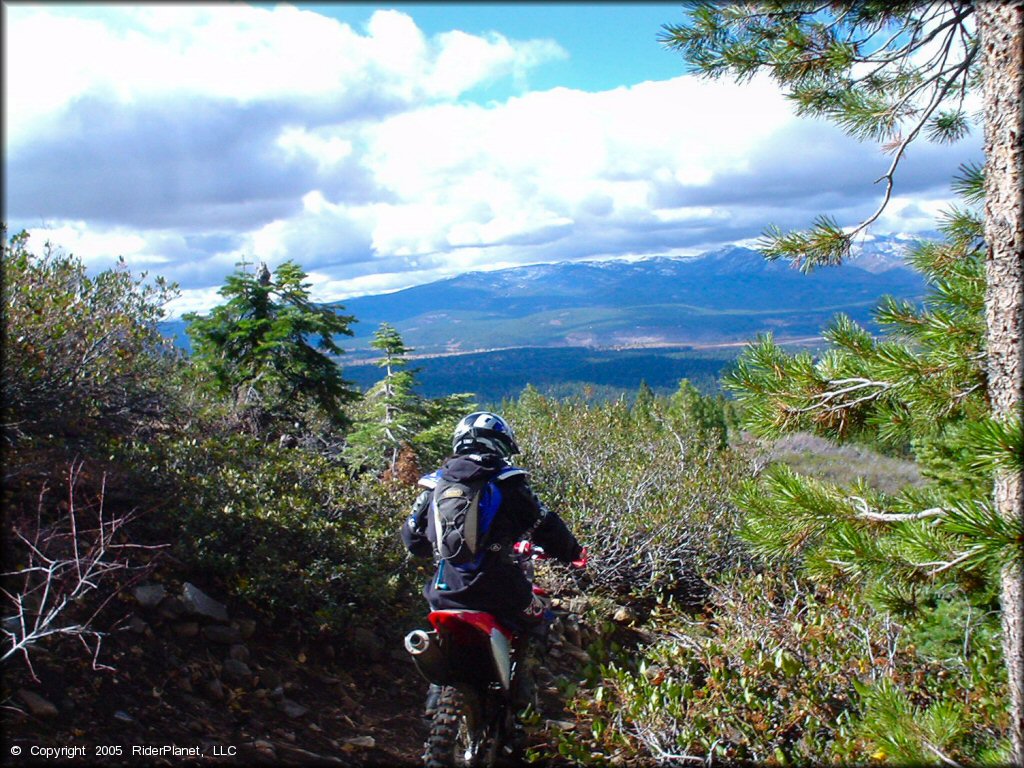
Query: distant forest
x,y
596,374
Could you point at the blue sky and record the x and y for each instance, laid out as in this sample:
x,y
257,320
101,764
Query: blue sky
x,y
608,44
385,145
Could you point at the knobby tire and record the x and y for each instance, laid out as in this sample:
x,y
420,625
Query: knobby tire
x,y
449,736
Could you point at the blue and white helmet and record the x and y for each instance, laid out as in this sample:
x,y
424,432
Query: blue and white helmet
x,y
484,432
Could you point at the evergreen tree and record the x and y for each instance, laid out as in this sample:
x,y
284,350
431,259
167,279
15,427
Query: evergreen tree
x,y
852,62
256,347
922,383
393,415
892,72
692,412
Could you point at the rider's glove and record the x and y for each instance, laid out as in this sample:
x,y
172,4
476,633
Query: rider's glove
x,y
581,561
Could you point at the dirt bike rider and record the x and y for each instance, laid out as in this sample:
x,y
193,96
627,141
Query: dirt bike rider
x,y
482,444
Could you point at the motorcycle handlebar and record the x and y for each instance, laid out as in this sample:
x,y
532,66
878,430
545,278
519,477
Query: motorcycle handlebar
x,y
527,548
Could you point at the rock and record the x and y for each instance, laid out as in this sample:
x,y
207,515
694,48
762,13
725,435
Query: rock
x,y
292,708
578,653
270,678
149,595
365,643
624,615
36,704
577,605
215,689
137,625
186,629
239,652
199,603
345,701
266,748
363,742
247,628
573,634
222,634
561,725
237,672
171,608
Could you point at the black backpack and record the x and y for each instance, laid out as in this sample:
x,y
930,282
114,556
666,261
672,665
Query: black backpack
x,y
462,514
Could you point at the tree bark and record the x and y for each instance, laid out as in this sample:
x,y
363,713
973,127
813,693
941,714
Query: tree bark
x,y
1001,27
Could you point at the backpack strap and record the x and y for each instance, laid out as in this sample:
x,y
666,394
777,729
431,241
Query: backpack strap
x,y
510,472
429,481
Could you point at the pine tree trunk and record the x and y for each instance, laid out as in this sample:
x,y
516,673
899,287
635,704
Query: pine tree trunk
x,y
1001,26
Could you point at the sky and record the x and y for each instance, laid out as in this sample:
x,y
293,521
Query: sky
x,y
381,146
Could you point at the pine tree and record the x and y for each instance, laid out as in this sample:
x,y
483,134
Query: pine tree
x,y
921,384
393,416
691,412
853,62
894,72
256,347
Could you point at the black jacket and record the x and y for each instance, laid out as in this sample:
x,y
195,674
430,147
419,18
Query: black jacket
x,y
499,585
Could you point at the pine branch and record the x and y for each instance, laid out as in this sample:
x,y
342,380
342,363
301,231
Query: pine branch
x,y
823,400
865,512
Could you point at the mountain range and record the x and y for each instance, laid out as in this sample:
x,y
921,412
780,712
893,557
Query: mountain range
x,y
579,326
721,297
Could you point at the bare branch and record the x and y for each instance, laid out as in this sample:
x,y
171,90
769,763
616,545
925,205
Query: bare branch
x,y
889,175
58,573
867,513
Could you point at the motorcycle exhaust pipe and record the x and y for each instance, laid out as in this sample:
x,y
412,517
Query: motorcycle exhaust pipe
x,y
428,655
417,642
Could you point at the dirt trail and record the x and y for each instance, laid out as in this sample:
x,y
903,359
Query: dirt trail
x,y
300,706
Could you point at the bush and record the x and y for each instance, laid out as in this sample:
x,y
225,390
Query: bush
x,y
82,355
786,671
286,531
650,501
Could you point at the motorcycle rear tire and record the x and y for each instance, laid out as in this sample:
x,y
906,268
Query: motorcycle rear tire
x,y
448,742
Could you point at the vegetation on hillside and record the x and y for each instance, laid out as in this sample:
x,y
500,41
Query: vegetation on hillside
x,y
704,644
739,609
853,623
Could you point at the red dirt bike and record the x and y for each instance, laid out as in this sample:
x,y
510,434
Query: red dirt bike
x,y
477,666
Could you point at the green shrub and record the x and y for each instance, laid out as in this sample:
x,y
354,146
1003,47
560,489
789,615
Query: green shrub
x,y
82,355
650,501
785,671
286,531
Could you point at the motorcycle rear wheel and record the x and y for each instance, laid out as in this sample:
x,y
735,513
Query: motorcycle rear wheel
x,y
451,744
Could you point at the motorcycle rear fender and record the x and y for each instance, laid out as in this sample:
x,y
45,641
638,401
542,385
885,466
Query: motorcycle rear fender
x,y
465,627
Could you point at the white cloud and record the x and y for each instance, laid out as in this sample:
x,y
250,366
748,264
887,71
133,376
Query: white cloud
x,y
98,249
189,137
235,52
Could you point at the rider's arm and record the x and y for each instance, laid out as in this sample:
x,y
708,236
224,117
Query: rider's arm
x,y
414,532
542,525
